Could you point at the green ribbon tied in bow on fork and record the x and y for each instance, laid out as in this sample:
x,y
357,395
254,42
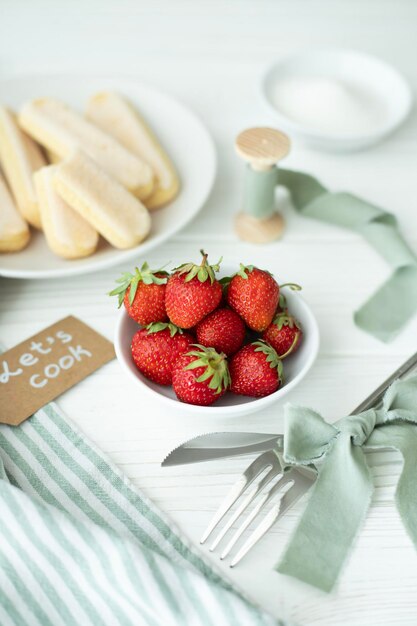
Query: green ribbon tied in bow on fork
x,y
342,493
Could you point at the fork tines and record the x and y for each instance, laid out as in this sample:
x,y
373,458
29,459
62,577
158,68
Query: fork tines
x,y
288,486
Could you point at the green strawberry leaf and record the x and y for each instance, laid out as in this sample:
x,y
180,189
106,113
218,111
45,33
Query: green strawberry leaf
x,y
215,382
194,364
244,271
202,274
144,274
133,288
271,355
156,327
202,271
204,376
284,318
216,368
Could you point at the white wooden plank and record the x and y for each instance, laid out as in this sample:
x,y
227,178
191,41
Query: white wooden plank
x,y
211,55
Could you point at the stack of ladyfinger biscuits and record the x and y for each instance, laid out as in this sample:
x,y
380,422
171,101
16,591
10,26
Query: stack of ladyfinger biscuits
x,y
78,177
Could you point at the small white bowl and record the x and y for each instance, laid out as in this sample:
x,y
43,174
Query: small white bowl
x,y
381,83
295,367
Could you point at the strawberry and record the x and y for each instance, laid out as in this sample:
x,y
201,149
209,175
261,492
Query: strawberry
x,y
254,295
284,334
255,370
143,294
192,292
201,376
156,348
223,330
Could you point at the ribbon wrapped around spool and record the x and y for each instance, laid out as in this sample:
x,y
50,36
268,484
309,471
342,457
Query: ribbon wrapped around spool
x,y
395,302
262,149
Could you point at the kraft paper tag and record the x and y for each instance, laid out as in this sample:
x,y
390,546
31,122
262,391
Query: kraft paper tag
x,y
41,368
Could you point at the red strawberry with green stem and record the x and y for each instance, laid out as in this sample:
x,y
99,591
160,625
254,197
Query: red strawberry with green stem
x,y
201,376
143,294
192,292
156,348
284,334
222,330
254,295
255,370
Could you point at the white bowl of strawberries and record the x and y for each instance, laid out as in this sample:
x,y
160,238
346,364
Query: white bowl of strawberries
x,y
223,342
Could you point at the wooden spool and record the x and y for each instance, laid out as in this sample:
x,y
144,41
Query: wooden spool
x,y
262,148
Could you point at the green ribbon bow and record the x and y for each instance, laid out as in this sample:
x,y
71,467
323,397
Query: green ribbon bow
x,y
342,493
395,302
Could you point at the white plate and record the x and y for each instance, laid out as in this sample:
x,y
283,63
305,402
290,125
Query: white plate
x,y
181,133
380,81
295,366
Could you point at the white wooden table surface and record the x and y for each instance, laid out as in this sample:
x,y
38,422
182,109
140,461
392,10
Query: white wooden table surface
x,y
210,55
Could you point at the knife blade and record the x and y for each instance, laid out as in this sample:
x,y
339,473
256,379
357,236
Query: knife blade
x,y
219,445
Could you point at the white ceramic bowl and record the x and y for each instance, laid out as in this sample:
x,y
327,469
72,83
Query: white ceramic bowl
x,y
295,367
373,76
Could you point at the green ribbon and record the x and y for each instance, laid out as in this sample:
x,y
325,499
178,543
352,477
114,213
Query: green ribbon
x,y
342,493
259,193
395,302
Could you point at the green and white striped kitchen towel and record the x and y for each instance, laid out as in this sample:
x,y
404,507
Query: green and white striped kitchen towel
x,y
81,546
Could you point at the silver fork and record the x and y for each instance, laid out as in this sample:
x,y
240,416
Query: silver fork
x,y
298,482
295,481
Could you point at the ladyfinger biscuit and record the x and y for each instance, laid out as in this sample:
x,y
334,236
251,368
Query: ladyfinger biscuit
x,y
20,157
52,157
117,117
114,212
14,231
63,131
66,232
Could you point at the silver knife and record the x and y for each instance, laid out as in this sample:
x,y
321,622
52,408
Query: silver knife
x,y
220,445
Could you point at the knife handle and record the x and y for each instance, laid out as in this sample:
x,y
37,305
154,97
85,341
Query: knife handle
x,y
372,400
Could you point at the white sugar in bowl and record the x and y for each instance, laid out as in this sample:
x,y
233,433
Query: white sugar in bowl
x,y
336,99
